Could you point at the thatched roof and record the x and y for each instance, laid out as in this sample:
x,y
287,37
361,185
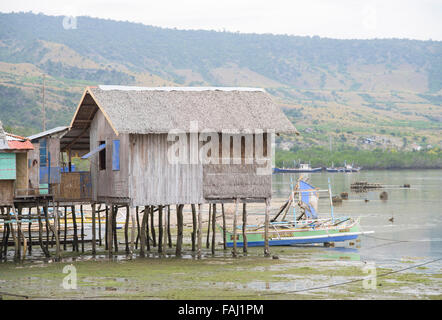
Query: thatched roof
x,y
159,110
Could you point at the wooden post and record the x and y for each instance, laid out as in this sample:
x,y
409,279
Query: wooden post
x,y
65,227
160,229
74,221
40,234
148,211
200,232
126,230
208,227
82,228
165,233
94,236
138,227
152,227
132,229
234,252
3,234
244,225
99,225
213,228
106,229
56,233
179,240
224,227
143,231
45,211
169,235
114,226
29,231
17,214
194,225
266,229
109,228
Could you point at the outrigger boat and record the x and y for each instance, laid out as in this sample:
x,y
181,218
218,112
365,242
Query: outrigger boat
x,y
302,226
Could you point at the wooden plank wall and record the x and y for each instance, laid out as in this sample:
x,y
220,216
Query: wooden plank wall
x,y
22,174
34,166
108,183
6,192
155,181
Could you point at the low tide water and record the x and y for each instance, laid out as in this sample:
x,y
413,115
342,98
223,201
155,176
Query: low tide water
x,y
415,233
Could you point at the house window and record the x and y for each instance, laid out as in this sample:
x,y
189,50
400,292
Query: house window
x,y
102,157
116,155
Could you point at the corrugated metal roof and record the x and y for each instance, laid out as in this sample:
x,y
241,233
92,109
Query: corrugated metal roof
x,y
47,133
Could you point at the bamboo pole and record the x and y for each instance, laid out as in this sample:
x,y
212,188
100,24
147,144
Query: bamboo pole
x,y
40,234
56,233
165,233
244,227
17,213
94,236
234,251
106,229
45,211
147,210
266,229
99,226
199,232
224,227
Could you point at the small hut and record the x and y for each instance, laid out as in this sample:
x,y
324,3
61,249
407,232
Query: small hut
x,y
14,171
175,145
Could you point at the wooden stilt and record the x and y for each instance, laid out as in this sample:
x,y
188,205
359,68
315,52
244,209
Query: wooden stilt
x,y
65,227
224,227
213,228
99,226
132,229
45,212
266,229
106,229
126,230
114,226
152,228
160,229
14,237
29,231
40,234
148,211
179,240
82,228
17,214
138,227
169,234
3,234
235,231
143,231
109,229
74,222
194,225
94,236
6,238
208,227
244,225
56,233
165,233
199,232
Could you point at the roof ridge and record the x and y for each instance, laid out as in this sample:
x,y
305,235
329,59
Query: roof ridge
x,y
135,88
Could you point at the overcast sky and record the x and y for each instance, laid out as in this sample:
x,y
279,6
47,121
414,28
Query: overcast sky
x,y
413,19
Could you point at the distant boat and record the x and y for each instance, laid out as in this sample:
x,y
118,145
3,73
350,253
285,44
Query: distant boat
x,y
303,168
345,168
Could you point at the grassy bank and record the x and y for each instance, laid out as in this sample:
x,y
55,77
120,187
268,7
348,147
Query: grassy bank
x,y
369,159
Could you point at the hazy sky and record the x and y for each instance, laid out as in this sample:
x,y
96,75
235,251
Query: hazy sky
x,y
414,19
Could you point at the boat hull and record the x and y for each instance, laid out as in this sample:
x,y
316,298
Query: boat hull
x,y
288,170
294,237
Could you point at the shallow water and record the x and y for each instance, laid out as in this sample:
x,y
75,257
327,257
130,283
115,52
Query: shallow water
x,y
415,235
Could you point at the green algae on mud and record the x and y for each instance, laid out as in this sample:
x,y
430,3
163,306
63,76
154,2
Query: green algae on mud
x,y
219,277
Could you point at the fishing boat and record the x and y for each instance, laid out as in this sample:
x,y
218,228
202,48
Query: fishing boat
x,y
297,222
345,168
303,168
334,169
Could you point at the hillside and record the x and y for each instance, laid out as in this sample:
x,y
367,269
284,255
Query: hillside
x,y
366,93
